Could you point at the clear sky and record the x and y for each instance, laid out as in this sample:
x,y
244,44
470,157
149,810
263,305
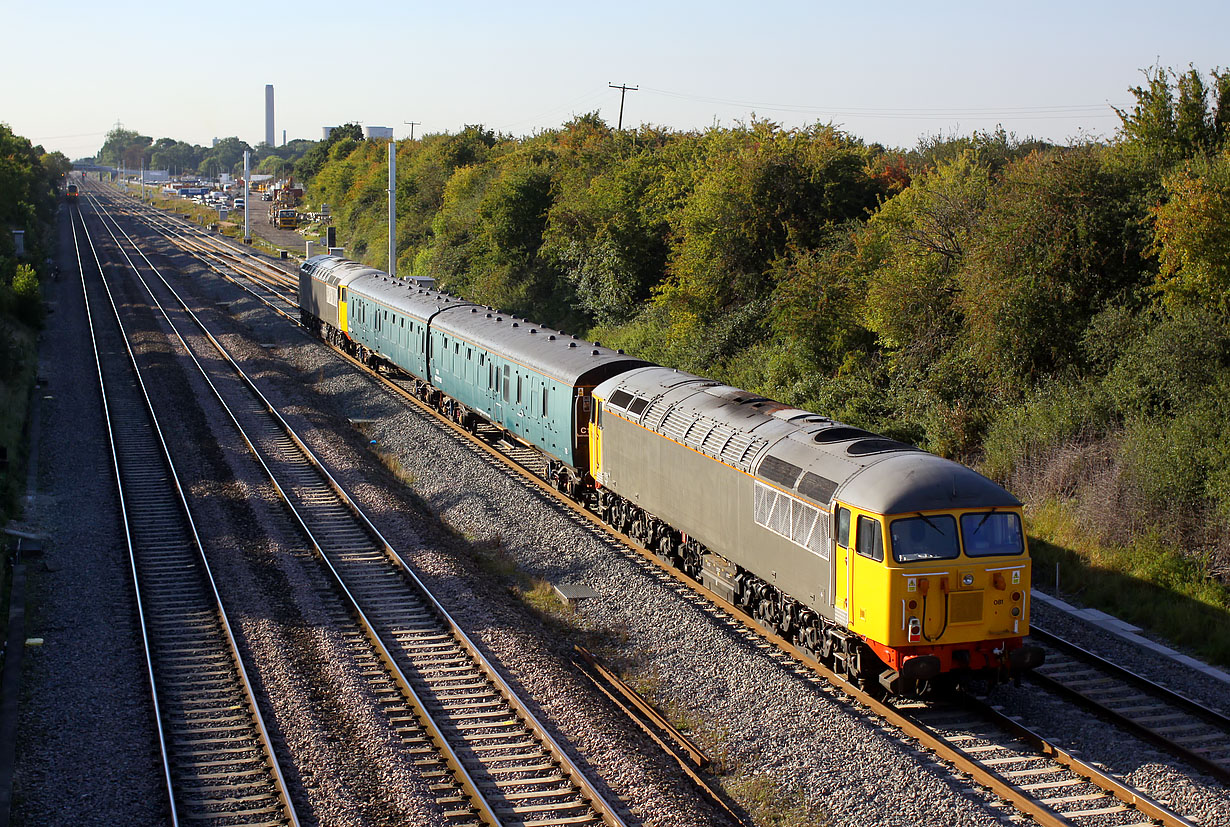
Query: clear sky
x,y
890,72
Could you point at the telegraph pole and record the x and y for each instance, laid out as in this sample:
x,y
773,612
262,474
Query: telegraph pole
x,y
412,125
623,90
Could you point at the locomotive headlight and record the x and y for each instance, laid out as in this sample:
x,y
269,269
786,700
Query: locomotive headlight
x,y
968,580
1016,611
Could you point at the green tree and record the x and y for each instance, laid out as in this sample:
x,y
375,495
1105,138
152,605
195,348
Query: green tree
x,y
1063,236
1192,235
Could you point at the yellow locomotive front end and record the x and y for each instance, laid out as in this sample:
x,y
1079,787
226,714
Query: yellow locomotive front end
x,y
939,593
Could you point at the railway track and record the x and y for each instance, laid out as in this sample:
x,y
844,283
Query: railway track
x,y
1037,777
218,762
1191,731
504,763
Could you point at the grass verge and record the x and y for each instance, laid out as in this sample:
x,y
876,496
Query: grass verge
x,y
1147,583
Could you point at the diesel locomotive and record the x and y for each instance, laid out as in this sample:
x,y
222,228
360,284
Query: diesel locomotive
x,y
904,571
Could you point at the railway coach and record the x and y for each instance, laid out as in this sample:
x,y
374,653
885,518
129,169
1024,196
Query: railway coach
x,y
471,362
901,569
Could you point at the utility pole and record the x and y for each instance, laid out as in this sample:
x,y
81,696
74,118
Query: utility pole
x,y
392,208
412,125
247,208
623,90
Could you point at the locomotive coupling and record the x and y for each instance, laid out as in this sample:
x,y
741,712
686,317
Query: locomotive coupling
x,y
916,668
1026,657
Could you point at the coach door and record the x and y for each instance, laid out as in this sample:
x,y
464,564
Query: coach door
x,y
842,567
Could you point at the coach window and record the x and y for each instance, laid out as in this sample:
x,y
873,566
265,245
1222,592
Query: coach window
x,y
870,541
843,527
518,389
507,371
544,401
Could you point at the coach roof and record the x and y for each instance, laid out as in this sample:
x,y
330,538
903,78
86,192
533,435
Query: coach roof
x,y
564,358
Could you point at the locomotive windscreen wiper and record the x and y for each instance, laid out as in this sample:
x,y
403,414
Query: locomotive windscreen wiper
x,y
985,517
928,522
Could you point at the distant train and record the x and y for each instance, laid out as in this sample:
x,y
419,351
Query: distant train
x,y
70,195
904,571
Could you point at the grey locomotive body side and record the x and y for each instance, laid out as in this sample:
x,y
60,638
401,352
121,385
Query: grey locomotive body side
x,y
715,503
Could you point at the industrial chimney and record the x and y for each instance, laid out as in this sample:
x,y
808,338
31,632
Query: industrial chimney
x,y
269,138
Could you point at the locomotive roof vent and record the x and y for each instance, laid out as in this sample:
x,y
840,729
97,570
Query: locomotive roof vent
x,y
499,318
473,309
840,434
488,315
514,323
876,445
532,331
593,353
550,338
572,344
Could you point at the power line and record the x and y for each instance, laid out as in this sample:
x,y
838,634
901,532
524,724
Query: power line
x,y
1041,112
412,124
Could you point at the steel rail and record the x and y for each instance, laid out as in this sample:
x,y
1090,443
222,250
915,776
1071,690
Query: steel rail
x,y
602,809
1129,712
171,748
273,278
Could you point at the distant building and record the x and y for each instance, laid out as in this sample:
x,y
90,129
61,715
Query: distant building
x,y
377,132
326,130
269,133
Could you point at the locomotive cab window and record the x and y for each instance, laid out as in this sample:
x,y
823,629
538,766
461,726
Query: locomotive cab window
x,y
924,538
843,527
991,534
870,542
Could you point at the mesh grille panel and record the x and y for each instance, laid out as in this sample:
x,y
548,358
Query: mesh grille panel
x,y
779,519
820,539
802,522
793,519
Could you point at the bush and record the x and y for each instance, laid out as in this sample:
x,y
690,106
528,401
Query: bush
x,y
1056,416
29,298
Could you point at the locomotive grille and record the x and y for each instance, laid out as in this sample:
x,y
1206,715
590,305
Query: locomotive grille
x,y
675,425
965,607
791,518
820,538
